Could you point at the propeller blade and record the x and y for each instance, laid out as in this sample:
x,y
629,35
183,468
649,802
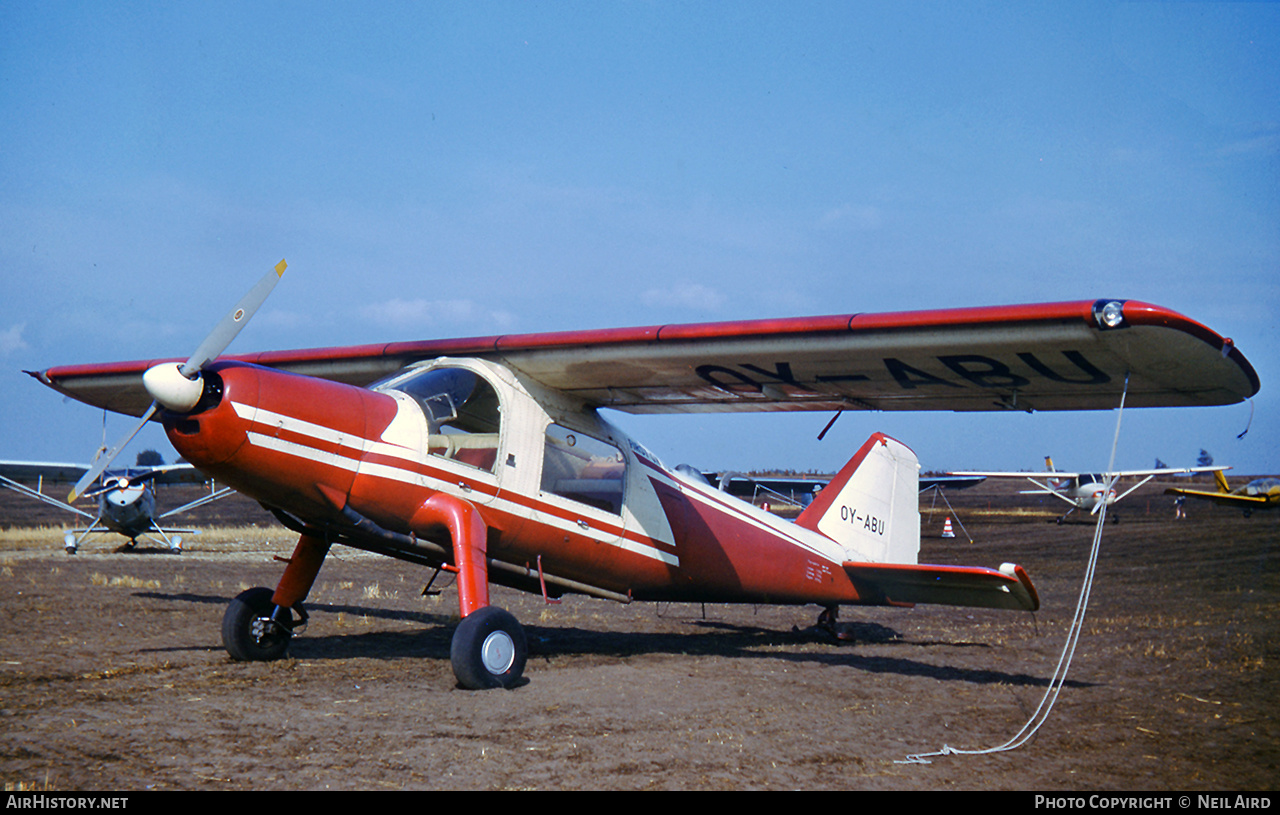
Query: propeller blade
x,y
208,350
102,462
226,330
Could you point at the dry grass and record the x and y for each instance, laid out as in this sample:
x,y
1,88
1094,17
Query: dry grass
x,y
222,540
126,581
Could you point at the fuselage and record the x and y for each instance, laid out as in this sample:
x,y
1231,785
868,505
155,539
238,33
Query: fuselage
x,y
1268,488
561,490
125,508
1089,491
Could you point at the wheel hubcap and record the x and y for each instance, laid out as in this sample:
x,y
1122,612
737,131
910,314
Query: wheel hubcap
x,y
497,652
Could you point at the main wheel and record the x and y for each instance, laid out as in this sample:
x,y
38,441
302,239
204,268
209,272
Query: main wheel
x,y
488,650
248,633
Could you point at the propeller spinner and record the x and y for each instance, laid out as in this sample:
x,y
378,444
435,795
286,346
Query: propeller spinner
x,y
178,387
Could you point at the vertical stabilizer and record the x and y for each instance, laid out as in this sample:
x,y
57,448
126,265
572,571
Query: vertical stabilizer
x,y
1221,481
872,506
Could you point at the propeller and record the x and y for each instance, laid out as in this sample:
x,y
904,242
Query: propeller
x,y
178,387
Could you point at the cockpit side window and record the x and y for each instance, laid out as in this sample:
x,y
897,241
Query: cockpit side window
x,y
584,469
464,417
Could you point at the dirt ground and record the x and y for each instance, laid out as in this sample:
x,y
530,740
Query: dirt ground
x,y
112,674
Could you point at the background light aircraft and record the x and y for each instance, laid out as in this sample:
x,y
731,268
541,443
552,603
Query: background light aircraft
x,y
800,490
125,497
1260,493
1088,490
490,458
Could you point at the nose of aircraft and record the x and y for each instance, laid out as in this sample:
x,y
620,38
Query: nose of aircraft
x,y
171,388
293,442
211,434
120,493
164,379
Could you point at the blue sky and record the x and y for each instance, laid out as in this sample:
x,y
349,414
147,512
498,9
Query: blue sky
x,y
455,169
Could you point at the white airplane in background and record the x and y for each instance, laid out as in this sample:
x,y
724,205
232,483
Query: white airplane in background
x,y
1087,490
126,498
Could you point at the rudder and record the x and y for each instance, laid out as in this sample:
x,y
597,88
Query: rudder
x,y
872,506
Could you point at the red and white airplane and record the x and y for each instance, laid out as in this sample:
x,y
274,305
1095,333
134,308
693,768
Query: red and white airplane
x,y
489,457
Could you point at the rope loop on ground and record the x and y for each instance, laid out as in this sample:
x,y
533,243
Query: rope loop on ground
x,y
1041,714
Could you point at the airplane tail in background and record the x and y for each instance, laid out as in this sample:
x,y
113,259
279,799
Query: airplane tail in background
x,y
872,506
1222,481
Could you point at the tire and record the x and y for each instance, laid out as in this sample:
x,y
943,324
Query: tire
x,y
237,628
488,650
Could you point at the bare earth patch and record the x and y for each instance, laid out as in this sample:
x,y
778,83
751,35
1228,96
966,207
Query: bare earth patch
x,y
112,674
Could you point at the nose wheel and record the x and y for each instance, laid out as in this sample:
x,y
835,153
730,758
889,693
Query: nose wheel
x,y
488,650
254,629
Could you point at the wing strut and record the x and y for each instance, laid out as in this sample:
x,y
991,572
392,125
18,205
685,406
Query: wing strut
x,y
828,427
938,493
1041,714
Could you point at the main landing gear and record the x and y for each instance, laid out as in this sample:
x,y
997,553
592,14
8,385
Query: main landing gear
x,y
489,649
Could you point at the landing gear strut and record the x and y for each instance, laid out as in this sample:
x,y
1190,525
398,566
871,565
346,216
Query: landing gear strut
x,y
828,622
259,623
489,648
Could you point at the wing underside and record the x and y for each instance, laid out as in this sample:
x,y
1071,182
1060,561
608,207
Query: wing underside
x,y
1039,357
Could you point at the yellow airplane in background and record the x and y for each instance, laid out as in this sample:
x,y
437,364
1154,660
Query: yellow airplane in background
x,y
1260,493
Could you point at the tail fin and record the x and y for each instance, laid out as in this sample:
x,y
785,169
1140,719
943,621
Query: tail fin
x,y
1222,481
1048,464
872,506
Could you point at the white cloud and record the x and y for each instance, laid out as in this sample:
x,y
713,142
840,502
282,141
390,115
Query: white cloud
x,y
685,295
419,313
11,339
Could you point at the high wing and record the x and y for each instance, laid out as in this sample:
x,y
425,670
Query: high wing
x,y
951,482
17,475
173,474
741,485
1062,474
745,485
57,472
32,471
1055,356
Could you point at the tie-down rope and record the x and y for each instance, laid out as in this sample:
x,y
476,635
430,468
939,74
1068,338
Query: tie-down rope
x,y
1041,714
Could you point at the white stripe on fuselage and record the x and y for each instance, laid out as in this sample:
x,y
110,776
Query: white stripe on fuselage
x,y
360,446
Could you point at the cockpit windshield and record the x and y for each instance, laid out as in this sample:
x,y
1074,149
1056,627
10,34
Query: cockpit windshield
x,y
463,414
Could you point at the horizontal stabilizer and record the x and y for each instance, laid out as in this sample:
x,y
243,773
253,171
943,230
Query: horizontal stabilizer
x,y
905,584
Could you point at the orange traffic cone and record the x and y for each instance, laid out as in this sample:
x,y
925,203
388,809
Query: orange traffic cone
x,y
946,529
